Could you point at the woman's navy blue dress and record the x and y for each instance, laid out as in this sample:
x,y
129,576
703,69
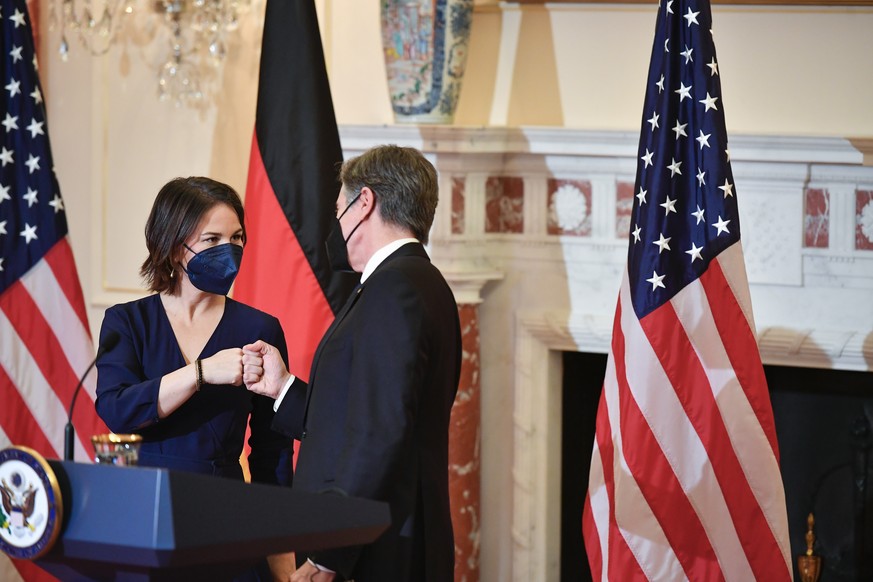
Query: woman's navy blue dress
x,y
205,434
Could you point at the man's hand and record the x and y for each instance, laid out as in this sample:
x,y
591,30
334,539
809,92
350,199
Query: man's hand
x,y
309,573
281,566
264,372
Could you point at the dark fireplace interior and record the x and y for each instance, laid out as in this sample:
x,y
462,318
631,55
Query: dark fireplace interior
x,y
823,424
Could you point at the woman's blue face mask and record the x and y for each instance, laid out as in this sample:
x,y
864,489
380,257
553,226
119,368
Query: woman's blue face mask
x,y
213,270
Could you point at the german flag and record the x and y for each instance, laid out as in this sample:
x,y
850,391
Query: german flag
x,y
292,185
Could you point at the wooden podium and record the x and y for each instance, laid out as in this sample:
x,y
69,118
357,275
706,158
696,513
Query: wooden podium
x,y
129,523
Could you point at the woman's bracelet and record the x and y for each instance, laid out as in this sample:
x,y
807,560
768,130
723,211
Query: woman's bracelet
x,y
198,365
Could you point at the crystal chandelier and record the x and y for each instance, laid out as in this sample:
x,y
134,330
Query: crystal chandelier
x,y
197,31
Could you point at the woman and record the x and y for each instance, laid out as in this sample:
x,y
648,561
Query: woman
x,y
176,375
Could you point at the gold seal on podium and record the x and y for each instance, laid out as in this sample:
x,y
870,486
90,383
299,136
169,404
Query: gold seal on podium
x,y
32,510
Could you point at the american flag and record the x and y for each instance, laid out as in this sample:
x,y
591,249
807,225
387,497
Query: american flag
x,y
45,341
684,480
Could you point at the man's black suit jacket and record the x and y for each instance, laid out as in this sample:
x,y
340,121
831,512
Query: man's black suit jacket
x,y
375,417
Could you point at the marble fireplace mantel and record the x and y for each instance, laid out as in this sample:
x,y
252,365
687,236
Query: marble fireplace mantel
x,y
509,195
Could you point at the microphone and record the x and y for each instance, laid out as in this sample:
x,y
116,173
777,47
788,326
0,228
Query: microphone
x,y
109,342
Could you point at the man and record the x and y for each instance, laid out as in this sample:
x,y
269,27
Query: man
x,y
373,421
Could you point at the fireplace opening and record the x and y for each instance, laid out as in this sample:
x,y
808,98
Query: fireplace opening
x,y
823,425
823,419
582,384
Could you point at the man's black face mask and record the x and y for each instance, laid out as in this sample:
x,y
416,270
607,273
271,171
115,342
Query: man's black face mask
x,y
337,246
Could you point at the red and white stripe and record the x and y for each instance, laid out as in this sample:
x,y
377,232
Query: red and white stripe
x,y
684,480
46,347
8,572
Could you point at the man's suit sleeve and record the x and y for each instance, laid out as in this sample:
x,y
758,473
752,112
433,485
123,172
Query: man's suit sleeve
x,y
271,456
289,417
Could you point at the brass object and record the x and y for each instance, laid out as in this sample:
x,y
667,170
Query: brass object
x,y
116,449
809,564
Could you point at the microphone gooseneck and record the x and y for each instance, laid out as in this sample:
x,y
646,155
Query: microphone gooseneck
x,y
109,342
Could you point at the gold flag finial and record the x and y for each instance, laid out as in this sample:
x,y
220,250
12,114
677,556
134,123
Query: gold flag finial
x,y
809,564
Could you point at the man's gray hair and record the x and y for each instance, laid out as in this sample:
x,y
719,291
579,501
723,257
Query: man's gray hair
x,y
405,184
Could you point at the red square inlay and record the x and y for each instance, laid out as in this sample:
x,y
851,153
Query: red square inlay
x,y
458,205
504,204
816,218
624,207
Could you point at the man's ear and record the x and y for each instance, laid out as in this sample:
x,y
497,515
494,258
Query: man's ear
x,y
368,201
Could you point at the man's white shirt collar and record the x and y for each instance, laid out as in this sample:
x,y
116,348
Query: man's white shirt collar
x,y
383,254
374,262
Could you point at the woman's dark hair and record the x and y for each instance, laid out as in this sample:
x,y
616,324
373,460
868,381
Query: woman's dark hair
x,y
178,209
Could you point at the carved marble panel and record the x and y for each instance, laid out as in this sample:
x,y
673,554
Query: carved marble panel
x,y
864,220
569,207
771,234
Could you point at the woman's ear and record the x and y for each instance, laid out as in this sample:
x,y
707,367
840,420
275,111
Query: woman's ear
x,y
177,257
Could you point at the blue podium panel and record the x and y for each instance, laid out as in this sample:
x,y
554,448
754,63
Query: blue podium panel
x,y
128,523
